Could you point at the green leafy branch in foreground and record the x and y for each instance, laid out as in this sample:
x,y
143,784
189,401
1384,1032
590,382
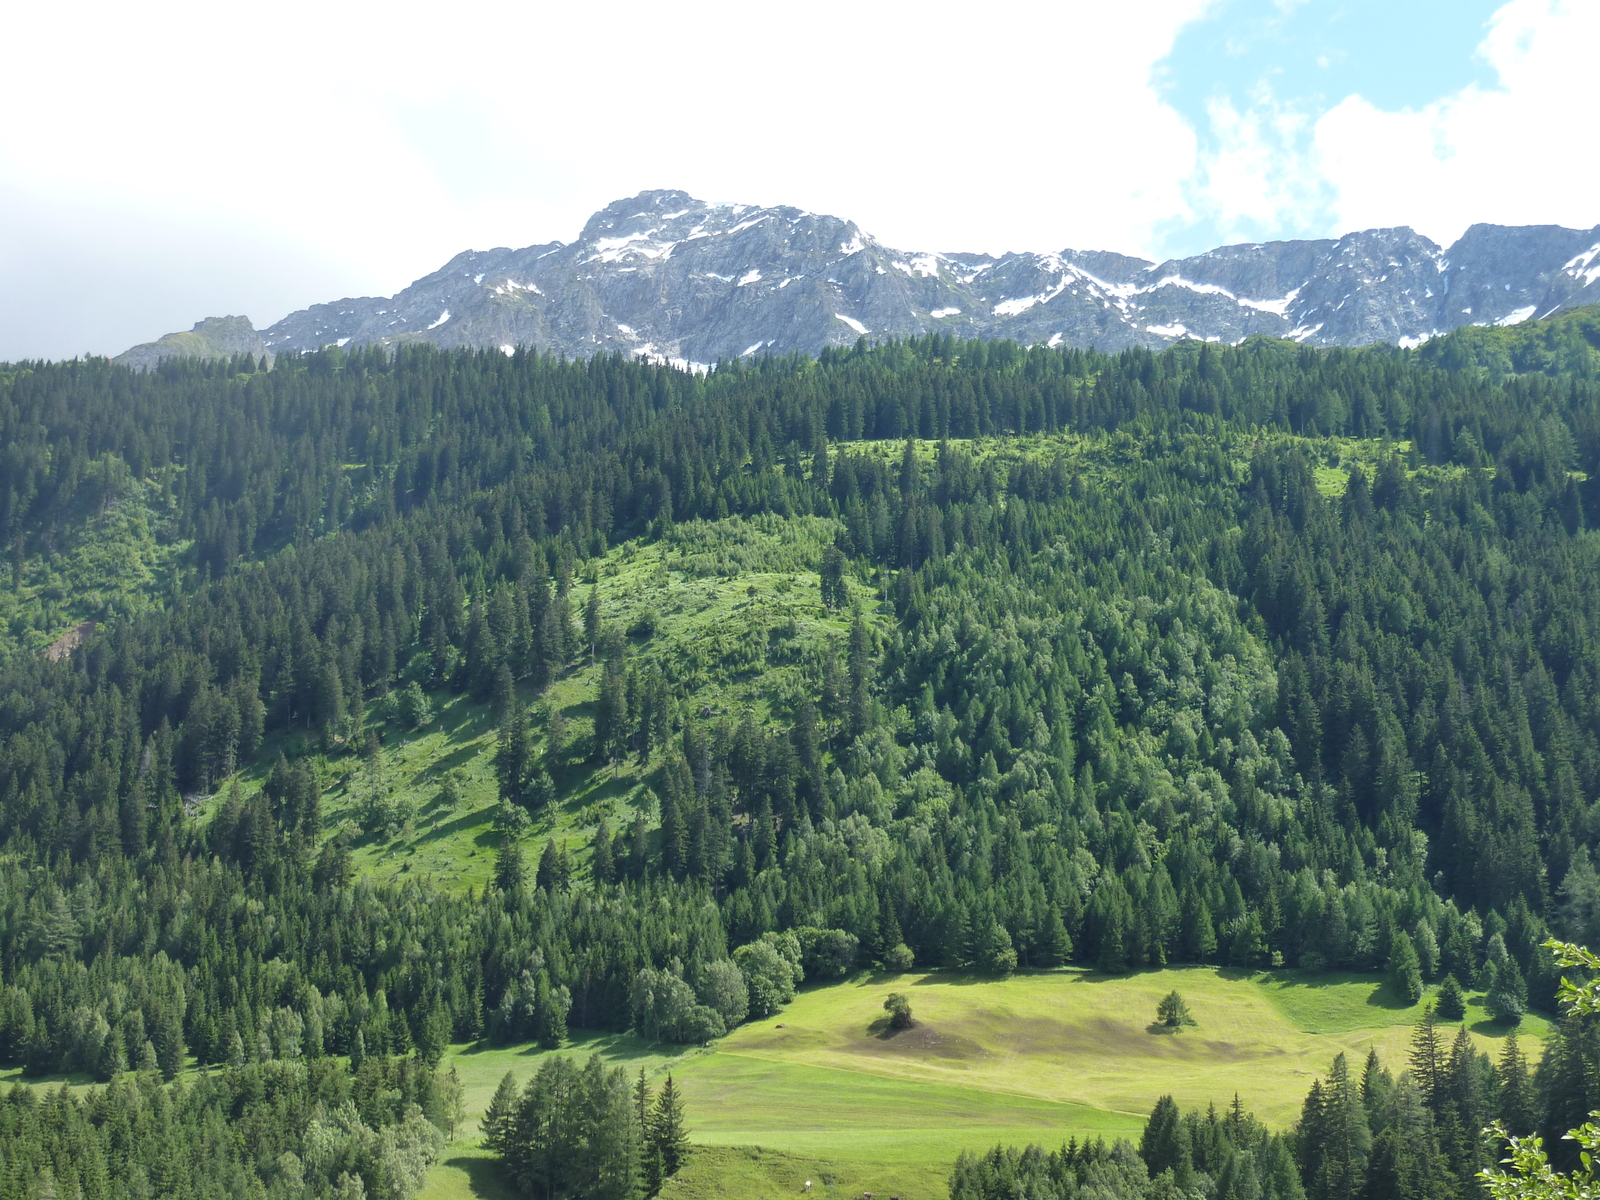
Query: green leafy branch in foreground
x,y
1531,1177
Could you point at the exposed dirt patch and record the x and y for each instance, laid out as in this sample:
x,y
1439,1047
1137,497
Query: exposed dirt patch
x,y
921,1040
69,641
1099,1035
1124,1039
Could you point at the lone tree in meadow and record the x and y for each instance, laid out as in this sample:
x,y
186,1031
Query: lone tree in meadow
x,y
1173,1012
898,1006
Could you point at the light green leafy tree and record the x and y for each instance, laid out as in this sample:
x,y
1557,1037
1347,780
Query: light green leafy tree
x,y
1526,1172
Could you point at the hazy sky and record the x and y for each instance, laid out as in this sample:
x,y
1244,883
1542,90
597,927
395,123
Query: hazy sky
x,y
164,162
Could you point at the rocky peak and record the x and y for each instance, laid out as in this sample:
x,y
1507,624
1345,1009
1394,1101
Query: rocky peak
x,y
666,276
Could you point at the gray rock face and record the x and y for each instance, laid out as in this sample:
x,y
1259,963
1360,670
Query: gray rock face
x,y
665,276
215,337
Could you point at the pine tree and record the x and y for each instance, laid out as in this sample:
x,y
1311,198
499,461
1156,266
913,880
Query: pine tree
x,y
1452,1000
1507,996
1427,1061
1518,1105
1173,1012
499,1119
555,869
509,871
601,865
1348,1140
167,1037
591,620
835,594
668,1136
513,756
1405,971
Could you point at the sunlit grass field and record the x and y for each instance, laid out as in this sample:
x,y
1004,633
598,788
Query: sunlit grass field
x,y
827,1089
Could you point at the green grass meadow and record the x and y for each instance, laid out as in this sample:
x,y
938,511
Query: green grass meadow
x,y
826,1092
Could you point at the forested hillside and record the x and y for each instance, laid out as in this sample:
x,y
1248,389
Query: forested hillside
x,y
1005,657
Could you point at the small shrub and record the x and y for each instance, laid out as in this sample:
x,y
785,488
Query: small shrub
x,y
412,707
899,959
898,1006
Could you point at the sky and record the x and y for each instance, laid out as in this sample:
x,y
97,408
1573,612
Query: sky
x,y
168,161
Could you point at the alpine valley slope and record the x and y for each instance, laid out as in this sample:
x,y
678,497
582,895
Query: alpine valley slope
x,y
670,277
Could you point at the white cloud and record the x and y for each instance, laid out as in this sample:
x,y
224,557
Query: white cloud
x,y
382,139
197,159
1253,184
1513,155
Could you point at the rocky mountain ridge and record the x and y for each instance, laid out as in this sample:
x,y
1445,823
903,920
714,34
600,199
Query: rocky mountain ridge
x,y
666,276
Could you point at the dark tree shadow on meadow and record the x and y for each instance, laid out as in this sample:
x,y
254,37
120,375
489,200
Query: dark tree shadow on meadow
x,y
484,1177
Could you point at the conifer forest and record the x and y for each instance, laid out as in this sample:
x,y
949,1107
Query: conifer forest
x,y
369,706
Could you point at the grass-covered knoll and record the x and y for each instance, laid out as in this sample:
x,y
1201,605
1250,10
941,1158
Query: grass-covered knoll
x,y
827,1086
1076,1037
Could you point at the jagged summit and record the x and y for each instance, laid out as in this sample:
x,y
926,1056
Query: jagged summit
x,y
667,276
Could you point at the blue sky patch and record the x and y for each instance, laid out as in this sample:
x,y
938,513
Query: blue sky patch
x,y
1305,56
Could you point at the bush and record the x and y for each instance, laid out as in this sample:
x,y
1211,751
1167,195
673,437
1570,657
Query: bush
x,y
898,1006
771,968
720,986
413,708
826,953
700,1025
899,959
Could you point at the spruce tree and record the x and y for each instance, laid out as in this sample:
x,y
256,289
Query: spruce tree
x,y
601,865
499,1118
1405,971
1427,1061
1452,1000
513,756
1518,1107
509,871
591,620
668,1135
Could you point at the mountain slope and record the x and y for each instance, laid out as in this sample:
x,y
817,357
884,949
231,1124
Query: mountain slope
x,y
214,337
669,277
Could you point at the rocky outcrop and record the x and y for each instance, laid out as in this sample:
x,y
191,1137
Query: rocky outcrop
x,y
214,337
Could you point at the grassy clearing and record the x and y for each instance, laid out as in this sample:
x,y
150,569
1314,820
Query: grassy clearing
x,y
115,555
1344,1003
738,627
1080,1038
827,1089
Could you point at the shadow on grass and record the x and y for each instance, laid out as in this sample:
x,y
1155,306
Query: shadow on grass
x,y
484,1177
1386,995
884,1029
1162,1029
1493,1027
956,978
614,1047
438,766
464,821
